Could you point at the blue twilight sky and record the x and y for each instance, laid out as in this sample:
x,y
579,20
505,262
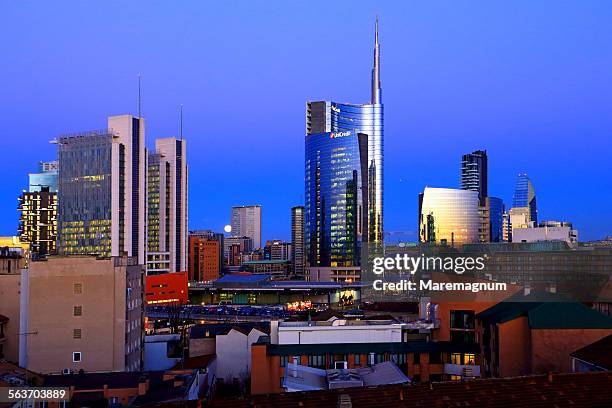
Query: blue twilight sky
x,y
529,81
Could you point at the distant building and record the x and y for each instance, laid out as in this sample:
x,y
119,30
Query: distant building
x,y
102,188
333,274
277,250
246,222
82,313
449,216
297,240
38,220
496,218
545,233
234,247
524,197
277,268
474,174
211,236
46,177
205,258
167,207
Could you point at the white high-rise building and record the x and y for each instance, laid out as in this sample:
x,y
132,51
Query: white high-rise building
x,y
246,222
102,189
167,207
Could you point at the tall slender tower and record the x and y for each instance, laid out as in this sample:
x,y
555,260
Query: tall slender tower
x,y
327,116
376,90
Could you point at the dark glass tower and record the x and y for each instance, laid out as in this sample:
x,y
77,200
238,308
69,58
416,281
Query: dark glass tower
x,y
325,116
474,174
335,212
524,196
496,218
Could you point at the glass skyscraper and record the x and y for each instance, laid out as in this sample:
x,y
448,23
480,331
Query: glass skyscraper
x,y
496,217
46,177
325,117
474,173
448,215
524,196
336,208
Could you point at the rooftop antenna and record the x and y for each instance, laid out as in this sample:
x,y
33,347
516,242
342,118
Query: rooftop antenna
x,y
139,96
181,130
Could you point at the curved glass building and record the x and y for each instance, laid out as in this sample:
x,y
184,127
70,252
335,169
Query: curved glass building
x,y
326,116
335,208
448,215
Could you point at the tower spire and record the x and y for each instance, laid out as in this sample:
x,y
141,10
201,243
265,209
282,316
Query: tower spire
x,y
376,90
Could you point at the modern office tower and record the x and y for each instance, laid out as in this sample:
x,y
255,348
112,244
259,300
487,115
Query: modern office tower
x,y
449,216
496,218
167,207
324,116
234,247
38,221
297,240
205,255
336,218
277,250
246,222
82,312
38,211
474,174
102,189
46,177
524,196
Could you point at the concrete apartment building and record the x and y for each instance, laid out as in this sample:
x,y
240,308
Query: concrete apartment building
x,y
82,312
167,207
246,222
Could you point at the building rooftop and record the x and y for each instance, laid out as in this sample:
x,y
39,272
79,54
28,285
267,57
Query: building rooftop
x,y
575,390
202,331
304,378
598,354
546,311
416,346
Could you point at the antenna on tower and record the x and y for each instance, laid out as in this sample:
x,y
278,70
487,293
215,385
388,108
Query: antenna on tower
x,y
139,97
181,130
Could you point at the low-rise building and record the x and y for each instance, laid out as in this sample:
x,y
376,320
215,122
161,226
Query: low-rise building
x,y
135,389
535,334
593,357
82,313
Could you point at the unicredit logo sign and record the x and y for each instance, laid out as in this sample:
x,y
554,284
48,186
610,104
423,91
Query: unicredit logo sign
x,y
339,134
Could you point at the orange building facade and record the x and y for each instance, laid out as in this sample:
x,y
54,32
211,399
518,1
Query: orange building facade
x,y
167,288
204,259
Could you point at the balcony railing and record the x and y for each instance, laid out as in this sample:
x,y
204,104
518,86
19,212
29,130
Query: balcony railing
x,y
463,370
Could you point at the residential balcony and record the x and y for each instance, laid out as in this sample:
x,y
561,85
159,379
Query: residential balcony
x,y
463,370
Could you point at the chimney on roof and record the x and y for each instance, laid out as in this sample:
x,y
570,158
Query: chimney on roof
x,y
294,371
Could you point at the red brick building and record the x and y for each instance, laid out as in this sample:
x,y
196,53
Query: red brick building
x,y
204,262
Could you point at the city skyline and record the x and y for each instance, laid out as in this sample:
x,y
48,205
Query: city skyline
x,y
560,171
